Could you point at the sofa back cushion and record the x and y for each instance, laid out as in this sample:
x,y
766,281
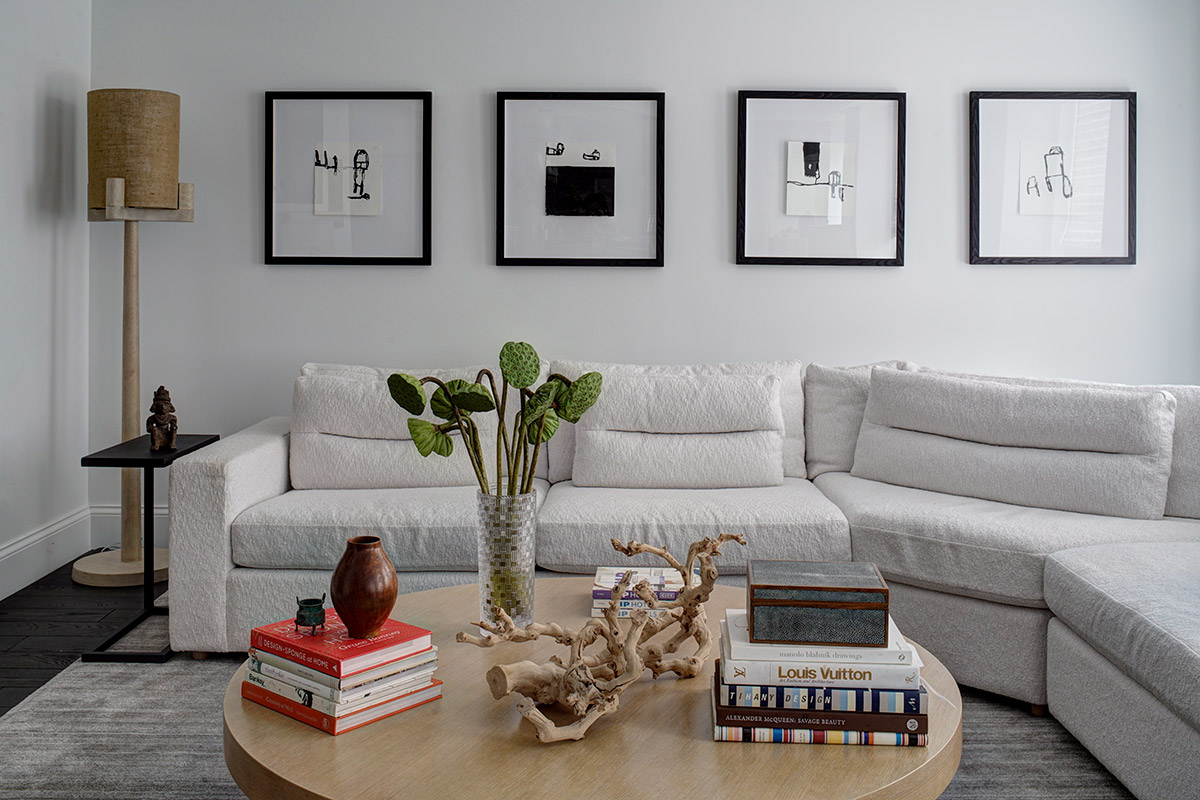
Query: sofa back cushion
x,y
348,433
834,401
682,432
561,449
1183,487
1094,451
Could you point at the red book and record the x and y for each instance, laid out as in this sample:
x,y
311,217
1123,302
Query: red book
x,y
336,725
332,651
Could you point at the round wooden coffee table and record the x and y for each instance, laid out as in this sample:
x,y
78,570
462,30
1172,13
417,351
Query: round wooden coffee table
x,y
658,744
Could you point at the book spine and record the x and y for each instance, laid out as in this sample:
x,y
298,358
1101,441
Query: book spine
x,y
821,720
811,673
308,673
831,655
823,698
261,667
624,613
260,640
723,733
661,594
621,604
292,692
309,716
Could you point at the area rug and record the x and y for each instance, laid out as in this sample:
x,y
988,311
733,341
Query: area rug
x,y
131,731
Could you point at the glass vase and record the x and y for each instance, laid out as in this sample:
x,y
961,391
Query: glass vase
x,y
507,533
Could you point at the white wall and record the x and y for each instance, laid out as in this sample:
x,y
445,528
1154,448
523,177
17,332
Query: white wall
x,y
45,58
227,334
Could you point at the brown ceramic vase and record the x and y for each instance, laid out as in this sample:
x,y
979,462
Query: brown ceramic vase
x,y
363,588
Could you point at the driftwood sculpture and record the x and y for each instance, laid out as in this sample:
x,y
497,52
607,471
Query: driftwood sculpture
x,y
590,684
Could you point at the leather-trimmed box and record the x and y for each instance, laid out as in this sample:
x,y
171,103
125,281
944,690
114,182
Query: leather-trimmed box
x,y
817,602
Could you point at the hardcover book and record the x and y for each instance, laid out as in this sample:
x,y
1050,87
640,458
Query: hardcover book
x,y
405,669
336,725
822,698
780,672
750,717
897,651
332,651
343,708
664,581
350,682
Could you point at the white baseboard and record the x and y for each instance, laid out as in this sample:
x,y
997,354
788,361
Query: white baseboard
x,y
106,526
42,551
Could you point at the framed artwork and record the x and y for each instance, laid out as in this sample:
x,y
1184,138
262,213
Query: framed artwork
x,y
820,178
348,178
1052,177
579,179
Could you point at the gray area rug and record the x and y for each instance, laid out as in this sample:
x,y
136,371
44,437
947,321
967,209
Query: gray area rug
x,y
132,731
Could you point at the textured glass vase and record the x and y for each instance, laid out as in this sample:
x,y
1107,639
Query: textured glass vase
x,y
507,534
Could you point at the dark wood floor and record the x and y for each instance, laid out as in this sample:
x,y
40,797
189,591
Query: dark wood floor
x,y
46,625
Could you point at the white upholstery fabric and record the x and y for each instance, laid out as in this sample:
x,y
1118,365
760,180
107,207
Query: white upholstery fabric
x,y
1138,605
208,489
992,646
792,521
682,432
561,449
429,529
1146,745
348,433
1183,488
979,548
834,401
1073,449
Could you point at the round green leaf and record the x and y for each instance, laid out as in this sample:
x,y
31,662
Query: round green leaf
x,y
542,399
580,396
472,397
551,425
441,405
519,363
407,392
429,439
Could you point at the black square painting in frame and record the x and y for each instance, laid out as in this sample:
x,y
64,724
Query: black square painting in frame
x,y
820,178
347,178
579,179
1052,177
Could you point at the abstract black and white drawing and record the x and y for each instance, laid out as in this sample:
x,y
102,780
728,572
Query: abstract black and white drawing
x,y
1045,179
347,179
580,179
820,180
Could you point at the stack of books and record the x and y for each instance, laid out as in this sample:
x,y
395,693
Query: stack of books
x,y
335,683
664,581
816,694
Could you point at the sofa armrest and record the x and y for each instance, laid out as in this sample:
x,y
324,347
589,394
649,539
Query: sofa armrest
x,y
208,490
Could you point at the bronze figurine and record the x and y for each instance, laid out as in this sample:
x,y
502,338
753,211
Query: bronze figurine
x,y
161,424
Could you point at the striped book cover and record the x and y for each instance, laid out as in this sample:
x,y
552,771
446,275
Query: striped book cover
x,y
824,698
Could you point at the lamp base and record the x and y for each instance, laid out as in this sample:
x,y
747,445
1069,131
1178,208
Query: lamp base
x,y
107,569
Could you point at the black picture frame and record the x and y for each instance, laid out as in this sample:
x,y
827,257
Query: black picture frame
x,y
401,233
635,123
761,204
1026,240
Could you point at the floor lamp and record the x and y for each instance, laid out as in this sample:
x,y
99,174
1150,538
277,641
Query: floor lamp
x,y
133,175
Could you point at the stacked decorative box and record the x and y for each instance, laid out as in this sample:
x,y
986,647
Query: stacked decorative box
x,y
335,683
846,675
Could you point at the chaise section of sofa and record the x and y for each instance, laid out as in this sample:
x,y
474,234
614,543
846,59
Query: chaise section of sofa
x,y
1124,659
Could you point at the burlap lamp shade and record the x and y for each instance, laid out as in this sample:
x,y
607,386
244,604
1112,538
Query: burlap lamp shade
x,y
134,134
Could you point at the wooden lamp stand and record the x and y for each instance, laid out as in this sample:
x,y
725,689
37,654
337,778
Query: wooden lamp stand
x,y
125,567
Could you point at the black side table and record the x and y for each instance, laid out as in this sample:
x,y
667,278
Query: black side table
x,y
136,454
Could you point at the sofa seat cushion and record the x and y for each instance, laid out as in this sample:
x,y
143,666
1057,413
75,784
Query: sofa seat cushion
x,y
1093,451
1138,606
978,548
430,528
790,521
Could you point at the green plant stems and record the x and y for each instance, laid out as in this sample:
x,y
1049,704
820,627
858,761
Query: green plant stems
x,y
476,462
537,448
501,402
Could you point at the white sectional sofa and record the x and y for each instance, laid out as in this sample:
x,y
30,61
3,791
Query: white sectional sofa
x,y
990,504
